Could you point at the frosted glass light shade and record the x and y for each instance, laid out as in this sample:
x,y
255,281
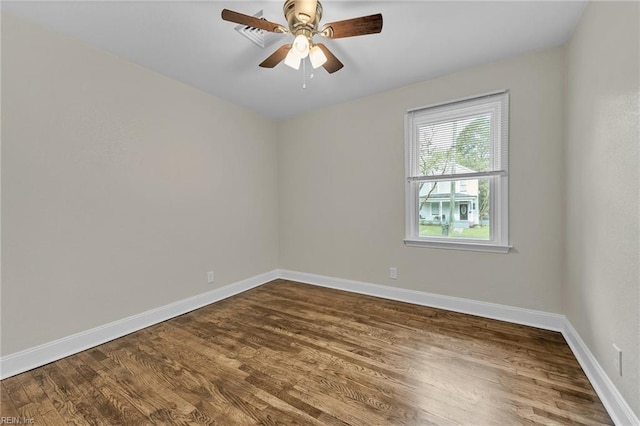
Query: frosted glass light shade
x,y
317,57
292,60
300,46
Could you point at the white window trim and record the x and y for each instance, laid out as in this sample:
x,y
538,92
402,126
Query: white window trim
x,y
498,181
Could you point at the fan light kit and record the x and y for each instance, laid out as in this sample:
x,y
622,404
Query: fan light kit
x,y
303,17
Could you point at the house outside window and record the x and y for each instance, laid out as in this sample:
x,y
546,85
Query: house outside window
x,y
456,157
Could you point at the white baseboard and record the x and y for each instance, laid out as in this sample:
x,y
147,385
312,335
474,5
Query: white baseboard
x,y
540,319
37,356
619,410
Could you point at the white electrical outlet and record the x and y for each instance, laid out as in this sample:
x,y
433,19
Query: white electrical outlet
x,y
617,359
393,273
210,277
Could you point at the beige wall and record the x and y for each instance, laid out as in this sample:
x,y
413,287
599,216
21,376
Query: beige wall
x,y
121,188
341,181
601,298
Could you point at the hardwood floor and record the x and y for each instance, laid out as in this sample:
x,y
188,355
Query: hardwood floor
x,y
289,353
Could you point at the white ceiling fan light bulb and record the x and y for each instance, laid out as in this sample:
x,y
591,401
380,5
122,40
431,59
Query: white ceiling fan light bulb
x,y
305,10
301,46
292,60
317,57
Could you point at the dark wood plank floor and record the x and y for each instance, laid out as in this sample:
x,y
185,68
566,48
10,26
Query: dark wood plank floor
x,y
289,353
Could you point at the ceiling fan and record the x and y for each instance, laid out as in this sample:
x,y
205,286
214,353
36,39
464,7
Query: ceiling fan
x,y
303,17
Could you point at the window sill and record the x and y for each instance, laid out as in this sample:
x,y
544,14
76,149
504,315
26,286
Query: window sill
x,y
458,245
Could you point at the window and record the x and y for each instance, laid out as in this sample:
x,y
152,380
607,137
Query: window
x,y
456,156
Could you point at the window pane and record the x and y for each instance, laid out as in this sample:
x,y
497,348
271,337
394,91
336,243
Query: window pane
x,y
461,214
457,170
455,146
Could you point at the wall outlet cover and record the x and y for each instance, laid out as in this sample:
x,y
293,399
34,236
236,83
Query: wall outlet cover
x,y
393,273
617,359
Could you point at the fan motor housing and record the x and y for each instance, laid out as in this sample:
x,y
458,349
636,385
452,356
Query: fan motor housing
x,y
296,24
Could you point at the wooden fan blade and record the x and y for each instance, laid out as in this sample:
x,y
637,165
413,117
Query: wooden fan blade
x,y
251,21
276,57
371,24
333,64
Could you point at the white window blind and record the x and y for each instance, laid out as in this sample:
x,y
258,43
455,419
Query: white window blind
x,y
445,134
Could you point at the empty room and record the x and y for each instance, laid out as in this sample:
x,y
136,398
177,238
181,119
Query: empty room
x,y
320,213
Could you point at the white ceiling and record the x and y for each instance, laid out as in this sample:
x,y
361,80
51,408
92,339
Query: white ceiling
x,y
188,41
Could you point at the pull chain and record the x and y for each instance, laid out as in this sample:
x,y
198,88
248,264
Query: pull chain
x,y
304,73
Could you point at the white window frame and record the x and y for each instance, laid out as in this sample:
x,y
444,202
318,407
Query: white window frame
x,y
495,103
